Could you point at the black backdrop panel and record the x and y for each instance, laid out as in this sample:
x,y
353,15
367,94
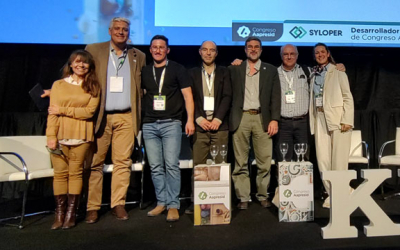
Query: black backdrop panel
x,y
373,74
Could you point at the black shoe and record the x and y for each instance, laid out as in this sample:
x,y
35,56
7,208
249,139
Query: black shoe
x,y
190,209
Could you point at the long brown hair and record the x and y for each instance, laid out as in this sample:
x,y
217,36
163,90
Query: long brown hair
x,y
90,83
330,58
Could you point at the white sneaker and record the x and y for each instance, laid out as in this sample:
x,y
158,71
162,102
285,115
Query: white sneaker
x,y
327,203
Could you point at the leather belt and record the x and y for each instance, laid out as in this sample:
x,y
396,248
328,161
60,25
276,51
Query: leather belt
x,y
294,118
118,111
320,109
252,111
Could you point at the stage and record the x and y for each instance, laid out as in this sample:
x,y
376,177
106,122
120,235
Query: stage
x,y
255,228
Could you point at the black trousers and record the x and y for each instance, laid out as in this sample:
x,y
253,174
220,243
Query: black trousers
x,y
291,131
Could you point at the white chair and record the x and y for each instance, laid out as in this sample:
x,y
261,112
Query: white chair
x,y
185,156
24,158
356,149
137,166
390,160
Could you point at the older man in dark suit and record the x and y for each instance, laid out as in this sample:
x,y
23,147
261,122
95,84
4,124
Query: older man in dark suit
x,y
254,115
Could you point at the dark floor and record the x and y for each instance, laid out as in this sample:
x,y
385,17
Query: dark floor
x,y
255,228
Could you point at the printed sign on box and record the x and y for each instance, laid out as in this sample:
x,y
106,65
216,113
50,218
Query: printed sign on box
x,y
212,196
296,192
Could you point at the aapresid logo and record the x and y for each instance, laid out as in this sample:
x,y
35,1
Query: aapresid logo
x,y
298,32
264,31
243,31
202,195
287,193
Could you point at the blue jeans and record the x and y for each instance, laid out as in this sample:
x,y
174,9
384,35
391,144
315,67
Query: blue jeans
x,y
163,145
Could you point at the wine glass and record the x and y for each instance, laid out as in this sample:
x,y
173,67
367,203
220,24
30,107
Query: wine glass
x,y
223,151
303,150
284,148
297,150
214,152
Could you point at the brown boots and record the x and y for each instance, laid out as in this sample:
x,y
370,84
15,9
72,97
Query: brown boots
x,y
65,216
61,204
70,215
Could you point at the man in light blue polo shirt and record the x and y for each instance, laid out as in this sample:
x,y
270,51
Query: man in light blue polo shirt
x,y
118,70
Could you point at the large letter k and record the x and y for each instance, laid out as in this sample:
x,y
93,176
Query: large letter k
x,y
343,204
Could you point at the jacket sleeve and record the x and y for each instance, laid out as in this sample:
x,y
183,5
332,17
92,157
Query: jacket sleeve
x,y
226,97
53,122
197,102
89,49
275,97
82,113
348,103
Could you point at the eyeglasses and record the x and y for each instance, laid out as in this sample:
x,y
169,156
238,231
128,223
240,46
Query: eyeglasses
x,y
155,48
251,47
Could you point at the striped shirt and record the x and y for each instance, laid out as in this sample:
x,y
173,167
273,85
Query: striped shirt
x,y
300,87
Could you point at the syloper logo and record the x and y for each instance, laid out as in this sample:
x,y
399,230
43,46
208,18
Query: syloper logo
x,y
298,32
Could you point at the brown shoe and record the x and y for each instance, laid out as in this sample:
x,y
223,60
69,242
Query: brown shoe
x,y
266,203
92,216
243,205
70,215
120,212
156,211
173,215
61,204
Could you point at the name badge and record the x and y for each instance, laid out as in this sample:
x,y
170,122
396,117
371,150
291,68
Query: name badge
x,y
290,96
116,84
318,101
209,103
159,102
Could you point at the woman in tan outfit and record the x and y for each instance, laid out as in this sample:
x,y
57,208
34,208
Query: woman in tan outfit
x,y
73,103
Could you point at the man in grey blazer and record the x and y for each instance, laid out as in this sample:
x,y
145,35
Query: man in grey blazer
x,y
254,115
118,69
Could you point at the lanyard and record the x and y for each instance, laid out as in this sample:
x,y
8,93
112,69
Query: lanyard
x,y
161,79
289,81
209,80
120,63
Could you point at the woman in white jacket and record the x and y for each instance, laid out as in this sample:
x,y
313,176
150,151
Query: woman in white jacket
x,y
331,114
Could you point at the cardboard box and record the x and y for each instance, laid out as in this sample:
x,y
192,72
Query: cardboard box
x,y
296,191
212,194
